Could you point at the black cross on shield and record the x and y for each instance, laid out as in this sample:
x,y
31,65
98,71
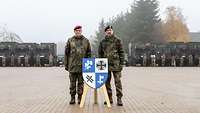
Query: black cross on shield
x,y
101,65
89,78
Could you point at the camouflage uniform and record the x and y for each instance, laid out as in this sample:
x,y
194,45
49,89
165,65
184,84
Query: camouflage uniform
x,y
76,49
111,48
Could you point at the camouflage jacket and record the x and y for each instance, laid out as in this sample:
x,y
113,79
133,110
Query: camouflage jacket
x,y
111,48
75,50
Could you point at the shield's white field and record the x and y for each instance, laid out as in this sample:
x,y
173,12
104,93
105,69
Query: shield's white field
x,y
91,80
103,62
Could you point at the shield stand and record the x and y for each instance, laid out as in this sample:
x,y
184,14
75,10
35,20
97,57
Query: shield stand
x,y
95,97
85,91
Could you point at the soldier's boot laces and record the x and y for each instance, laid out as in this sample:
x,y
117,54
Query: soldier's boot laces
x,y
72,101
119,102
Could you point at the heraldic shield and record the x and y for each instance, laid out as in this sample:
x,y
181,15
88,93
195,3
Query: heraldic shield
x,y
95,71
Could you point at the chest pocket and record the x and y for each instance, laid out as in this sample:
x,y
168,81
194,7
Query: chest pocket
x,y
78,48
110,50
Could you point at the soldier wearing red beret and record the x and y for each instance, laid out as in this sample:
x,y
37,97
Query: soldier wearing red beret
x,y
77,47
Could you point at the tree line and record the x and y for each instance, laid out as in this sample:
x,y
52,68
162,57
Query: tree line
x,y
143,24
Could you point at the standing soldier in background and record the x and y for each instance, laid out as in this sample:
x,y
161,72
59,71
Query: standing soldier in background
x,y
77,47
111,47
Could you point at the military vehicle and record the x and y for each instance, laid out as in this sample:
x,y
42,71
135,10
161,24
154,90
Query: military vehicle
x,y
165,54
27,54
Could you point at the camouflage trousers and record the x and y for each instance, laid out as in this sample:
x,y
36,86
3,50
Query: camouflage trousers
x,y
118,84
74,88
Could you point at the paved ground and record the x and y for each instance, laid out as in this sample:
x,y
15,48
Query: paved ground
x,y
146,90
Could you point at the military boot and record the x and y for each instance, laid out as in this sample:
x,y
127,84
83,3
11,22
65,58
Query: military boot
x,y
72,100
119,102
79,99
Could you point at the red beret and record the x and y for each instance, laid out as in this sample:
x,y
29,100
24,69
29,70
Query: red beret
x,y
77,27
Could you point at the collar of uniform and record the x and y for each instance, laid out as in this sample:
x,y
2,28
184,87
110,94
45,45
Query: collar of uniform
x,y
80,37
109,37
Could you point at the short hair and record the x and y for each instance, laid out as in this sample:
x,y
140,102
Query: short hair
x,y
108,27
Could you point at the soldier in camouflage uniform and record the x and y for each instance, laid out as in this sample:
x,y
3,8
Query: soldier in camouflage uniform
x,y
111,47
77,47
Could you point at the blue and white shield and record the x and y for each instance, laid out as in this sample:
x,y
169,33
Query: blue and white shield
x,y
95,71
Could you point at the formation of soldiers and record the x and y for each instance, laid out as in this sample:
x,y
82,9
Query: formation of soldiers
x,y
78,47
170,54
27,54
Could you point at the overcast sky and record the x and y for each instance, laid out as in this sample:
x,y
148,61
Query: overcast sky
x,y
53,20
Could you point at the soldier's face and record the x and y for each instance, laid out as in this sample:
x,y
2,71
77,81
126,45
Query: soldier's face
x,y
78,32
109,32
